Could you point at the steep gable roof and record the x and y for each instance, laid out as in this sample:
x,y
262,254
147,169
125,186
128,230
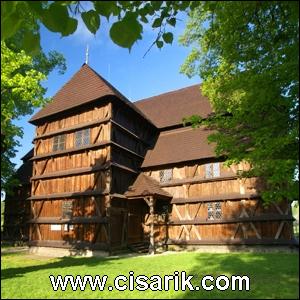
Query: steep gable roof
x,y
145,186
179,145
168,109
85,86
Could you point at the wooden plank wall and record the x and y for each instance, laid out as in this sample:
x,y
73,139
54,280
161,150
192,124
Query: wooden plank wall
x,y
243,219
86,170
131,132
16,214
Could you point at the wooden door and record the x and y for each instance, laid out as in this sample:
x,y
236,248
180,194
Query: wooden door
x,y
136,213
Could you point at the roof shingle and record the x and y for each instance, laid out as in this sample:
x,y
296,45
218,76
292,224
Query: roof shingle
x,y
85,86
179,145
170,108
145,186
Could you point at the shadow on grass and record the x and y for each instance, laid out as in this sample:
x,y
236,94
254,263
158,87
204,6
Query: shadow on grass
x,y
272,275
61,263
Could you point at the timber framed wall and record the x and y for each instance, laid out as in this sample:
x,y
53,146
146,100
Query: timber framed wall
x,y
221,209
71,186
92,143
74,187
131,135
17,209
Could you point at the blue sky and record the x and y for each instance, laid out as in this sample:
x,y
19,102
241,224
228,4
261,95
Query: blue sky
x,y
134,76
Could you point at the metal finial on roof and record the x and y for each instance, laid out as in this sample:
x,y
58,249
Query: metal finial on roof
x,y
87,54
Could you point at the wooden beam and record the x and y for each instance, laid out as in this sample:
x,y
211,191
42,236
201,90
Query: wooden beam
x,y
221,197
279,231
123,167
97,135
152,241
73,128
197,179
84,148
72,150
71,172
263,241
129,132
68,195
74,220
80,171
127,150
261,218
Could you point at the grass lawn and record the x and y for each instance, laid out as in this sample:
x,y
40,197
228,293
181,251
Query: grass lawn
x,y
272,275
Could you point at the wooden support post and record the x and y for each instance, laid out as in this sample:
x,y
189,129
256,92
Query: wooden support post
x,y
108,226
152,243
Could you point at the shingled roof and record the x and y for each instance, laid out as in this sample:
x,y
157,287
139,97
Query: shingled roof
x,y
146,186
179,145
24,172
85,86
168,109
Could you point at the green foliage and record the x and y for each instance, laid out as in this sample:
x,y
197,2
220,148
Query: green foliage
x,y
245,52
125,32
21,91
249,61
106,8
126,28
168,37
91,20
21,88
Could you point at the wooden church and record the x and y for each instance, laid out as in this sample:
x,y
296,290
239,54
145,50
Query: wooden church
x,y
109,174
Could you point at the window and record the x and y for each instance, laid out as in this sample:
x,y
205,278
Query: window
x,y
214,210
210,211
82,137
68,227
55,227
208,171
67,209
218,210
165,175
212,170
59,142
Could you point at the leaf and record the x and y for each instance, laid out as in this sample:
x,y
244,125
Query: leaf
x,y
156,4
36,6
157,22
159,44
55,18
172,21
10,25
31,43
92,20
70,27
168,37
126,32
144,19
8,8
10,19
106,8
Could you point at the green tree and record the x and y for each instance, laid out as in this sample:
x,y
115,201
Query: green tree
x,y
128,19
21,92
246,52
21,87
247,55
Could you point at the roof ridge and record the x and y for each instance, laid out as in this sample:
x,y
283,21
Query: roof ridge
x,y
124,98
92,77
177,130
166,93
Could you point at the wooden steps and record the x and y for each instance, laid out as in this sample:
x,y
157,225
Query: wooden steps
x,y
139,247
